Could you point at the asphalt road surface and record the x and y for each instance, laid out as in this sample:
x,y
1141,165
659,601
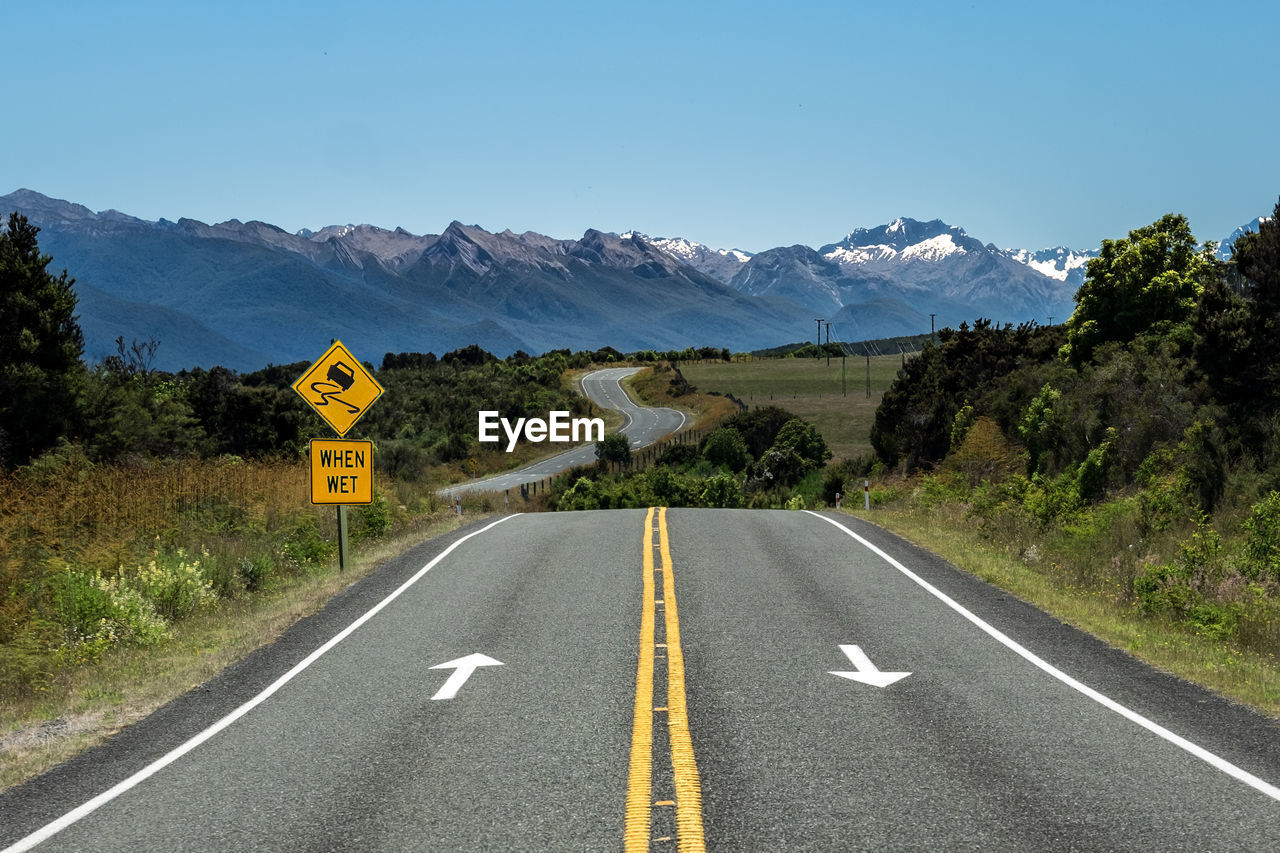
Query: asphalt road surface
x,y
644,425
672,680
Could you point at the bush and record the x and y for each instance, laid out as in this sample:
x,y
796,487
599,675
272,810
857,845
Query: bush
x,y
581,495
255,572
373,519
305,547
1052,499
1261,560
679,456
722,491
726,448
97,613
1091,476
175,586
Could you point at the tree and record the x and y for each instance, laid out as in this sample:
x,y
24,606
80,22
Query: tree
x,y
1151,279
1237,322
614,447
725,446
40,347
805,441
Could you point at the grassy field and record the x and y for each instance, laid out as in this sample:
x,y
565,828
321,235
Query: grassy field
x,y
833,397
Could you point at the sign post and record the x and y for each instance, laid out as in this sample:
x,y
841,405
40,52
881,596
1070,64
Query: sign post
x,y
340,391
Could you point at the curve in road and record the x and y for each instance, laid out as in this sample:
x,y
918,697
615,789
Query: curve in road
x,y
644,425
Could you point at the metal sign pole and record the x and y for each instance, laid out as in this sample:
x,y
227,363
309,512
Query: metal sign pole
x,y
342,537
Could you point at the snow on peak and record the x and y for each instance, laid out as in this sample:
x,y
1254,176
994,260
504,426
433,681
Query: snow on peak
x,y
933,249
688,250
930,250
856,255
895,226
1058,263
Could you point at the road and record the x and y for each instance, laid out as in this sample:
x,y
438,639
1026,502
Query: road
x,y
674,680
644,425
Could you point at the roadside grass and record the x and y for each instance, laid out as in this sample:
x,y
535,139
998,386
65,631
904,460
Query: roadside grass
x,y
87,704
810,388
653,387
1105,611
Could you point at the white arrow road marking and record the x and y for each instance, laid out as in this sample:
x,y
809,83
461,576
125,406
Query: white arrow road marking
x,y
867,672
1200,752
463,667
170,757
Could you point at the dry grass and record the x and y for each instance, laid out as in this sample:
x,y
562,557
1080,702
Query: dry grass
x,y
652,386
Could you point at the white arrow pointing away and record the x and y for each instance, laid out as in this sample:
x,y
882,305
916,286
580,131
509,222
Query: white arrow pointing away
x,y
463,668
866,670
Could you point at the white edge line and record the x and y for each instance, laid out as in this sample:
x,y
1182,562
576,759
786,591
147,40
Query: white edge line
x,y
71,817
1177,740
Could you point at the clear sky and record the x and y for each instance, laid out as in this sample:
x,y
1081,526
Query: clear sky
x,y
746,125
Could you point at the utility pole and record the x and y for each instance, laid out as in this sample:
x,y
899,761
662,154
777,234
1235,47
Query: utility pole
x,y
931,332
828,322
868,374
817,342
1050,319
844,389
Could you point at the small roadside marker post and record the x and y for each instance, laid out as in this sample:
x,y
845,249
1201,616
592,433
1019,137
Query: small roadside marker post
x,y
866,494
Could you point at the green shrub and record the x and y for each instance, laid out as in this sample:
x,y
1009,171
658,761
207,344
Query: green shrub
x,y
960,425
1039,429
373,519
1091,475
796,502
305,547
726,447
97,613
174,585
581,495
1052,499
1262,540
721,490
936,489
255,572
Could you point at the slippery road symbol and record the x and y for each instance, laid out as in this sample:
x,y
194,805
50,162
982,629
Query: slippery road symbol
x,y
339,388
340,378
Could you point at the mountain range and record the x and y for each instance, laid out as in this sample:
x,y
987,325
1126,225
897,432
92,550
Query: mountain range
x,y
245,294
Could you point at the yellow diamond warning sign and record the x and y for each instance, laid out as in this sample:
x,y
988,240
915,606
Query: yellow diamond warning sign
x,y
341,471
338,388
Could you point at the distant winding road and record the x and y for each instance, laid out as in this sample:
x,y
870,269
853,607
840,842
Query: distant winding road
x,y
644,426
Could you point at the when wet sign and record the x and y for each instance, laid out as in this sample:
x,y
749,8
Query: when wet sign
x,y
341,471
339,388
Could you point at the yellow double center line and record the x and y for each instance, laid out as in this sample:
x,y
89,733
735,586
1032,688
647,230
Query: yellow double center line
x,y
688,790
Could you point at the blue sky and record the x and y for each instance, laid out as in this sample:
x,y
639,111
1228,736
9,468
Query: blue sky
x,y
747,125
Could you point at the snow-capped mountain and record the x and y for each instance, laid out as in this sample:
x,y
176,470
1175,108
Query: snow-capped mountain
x,y
720,264
243,294
1065,265
1225,247
883,280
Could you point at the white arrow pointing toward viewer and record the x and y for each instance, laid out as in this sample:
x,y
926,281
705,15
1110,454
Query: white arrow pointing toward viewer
x,y
866,670
463,668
